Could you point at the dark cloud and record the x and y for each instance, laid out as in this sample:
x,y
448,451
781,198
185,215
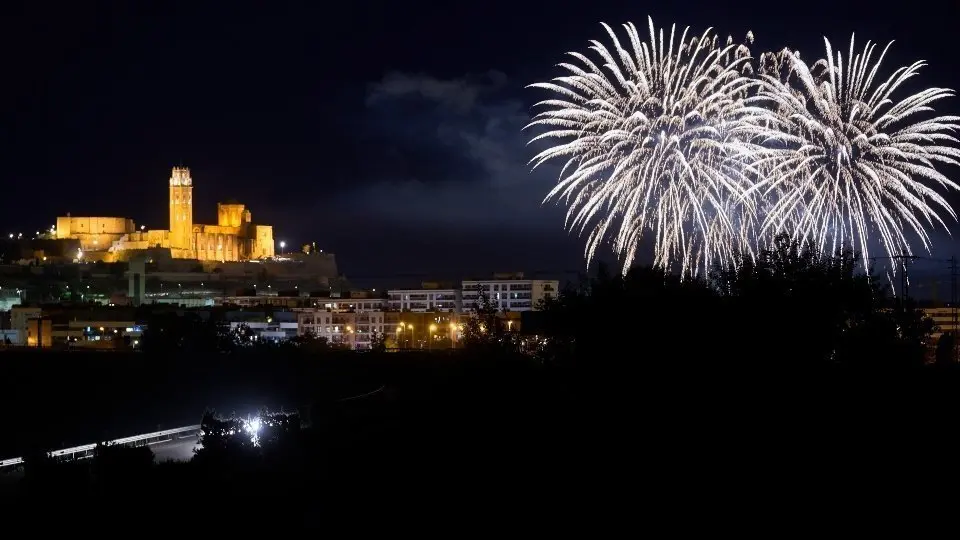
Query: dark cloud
x,y
457,94
452,153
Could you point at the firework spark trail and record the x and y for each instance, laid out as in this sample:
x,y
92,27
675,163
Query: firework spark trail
x,y
652,137
679,139
851,159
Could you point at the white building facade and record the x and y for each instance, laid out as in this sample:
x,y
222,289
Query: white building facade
x,y
510,294
423,300
351,329
352,304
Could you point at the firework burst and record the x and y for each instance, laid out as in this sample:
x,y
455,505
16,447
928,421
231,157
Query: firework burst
x,y
846,156
651,135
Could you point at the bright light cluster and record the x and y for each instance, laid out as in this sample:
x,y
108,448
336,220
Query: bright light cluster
x,y
252,427
264,429
713,154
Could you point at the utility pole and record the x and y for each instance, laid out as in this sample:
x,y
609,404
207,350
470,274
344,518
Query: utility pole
x,y
953,303
905,277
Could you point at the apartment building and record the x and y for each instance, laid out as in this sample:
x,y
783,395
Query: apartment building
x,y
424,300
943,318
352,329
350,304
75,327
401,330
509,292
275,326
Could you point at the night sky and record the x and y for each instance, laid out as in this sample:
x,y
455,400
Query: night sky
x,y
389,133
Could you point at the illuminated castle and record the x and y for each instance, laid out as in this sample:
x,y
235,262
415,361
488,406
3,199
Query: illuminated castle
x,y
233,238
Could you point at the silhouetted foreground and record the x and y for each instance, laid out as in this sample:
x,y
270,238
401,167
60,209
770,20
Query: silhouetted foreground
x,y
455,430
789,375
64,399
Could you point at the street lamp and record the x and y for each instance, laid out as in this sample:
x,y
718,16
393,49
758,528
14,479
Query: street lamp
x,y
282,245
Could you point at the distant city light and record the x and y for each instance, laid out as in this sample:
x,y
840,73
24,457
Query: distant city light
x,y
252,427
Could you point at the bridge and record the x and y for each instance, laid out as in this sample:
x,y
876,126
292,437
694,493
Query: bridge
x,y
176,444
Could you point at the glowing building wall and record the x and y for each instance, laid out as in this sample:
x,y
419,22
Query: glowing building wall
x,y
233,238
231,215
181,209
93,232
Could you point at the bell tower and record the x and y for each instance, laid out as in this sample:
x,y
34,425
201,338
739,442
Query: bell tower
x,y
181,209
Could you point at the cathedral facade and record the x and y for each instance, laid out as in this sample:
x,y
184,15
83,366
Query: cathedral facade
x,y
234,238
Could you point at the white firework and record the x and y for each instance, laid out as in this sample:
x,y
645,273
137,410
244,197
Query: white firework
x,y
652,137
847,157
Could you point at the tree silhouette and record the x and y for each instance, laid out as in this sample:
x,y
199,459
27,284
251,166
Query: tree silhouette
x,y
945,348
118,467
804,306
614,320
308,343
486,329
229,441
170,333
787,305
378,342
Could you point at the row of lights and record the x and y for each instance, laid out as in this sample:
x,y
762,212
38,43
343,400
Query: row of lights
x,y
53,230
283,245
433,327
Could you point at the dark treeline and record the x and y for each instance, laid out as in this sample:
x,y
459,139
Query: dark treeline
x,y
787,308
789,371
